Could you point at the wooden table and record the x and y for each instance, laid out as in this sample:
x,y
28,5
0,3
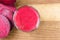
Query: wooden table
x,y
49,28
46,31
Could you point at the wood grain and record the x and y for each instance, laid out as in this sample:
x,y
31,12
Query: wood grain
x,y
46,31
49,28
37,1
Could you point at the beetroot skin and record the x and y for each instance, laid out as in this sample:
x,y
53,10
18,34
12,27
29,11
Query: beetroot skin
x,y
7,7
26,18
4,26
8,2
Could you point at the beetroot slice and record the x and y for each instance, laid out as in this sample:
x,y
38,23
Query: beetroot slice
x,y
26,18
7,7
8,12
4,26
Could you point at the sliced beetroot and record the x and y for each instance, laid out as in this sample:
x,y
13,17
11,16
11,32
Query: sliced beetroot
x,y
26,18
4,26
1,9
8,12
7,7
0,12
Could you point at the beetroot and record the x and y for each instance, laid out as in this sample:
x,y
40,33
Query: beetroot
x,y
8,2
4,26
26,18
0,12
7,7
9,14
7,11
0,1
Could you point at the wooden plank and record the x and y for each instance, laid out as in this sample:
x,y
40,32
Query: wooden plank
x,y
48,12
49,28
37,1
46,31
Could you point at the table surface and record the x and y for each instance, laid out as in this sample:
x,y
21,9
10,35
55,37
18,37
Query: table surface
x,y
46,31
49,28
